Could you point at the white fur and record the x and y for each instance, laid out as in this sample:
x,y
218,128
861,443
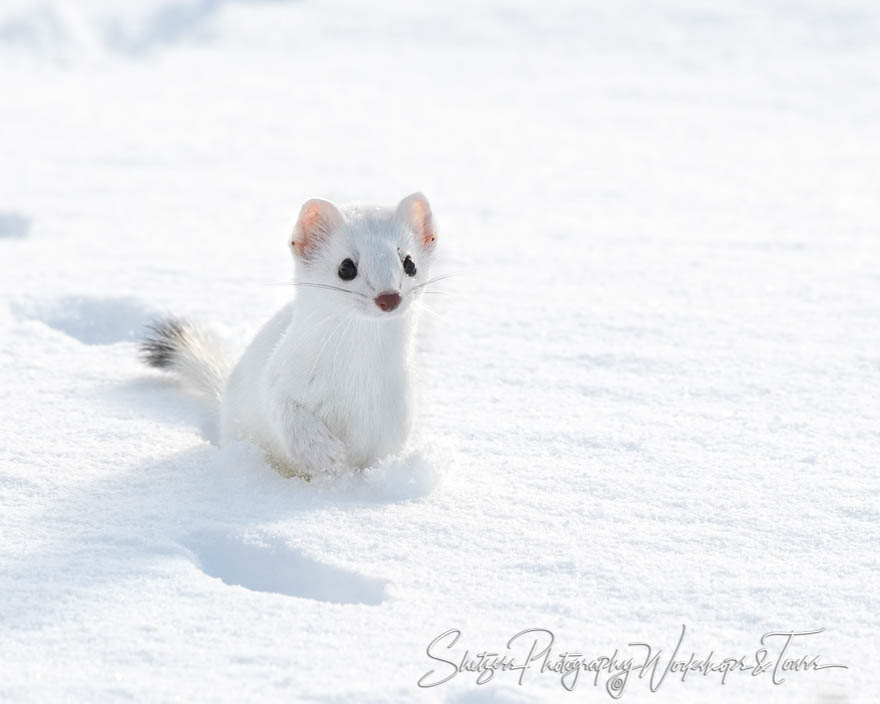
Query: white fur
x,y
325,385
200,362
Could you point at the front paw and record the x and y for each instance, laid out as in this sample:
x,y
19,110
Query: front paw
x,y
332,460
327,457
310,445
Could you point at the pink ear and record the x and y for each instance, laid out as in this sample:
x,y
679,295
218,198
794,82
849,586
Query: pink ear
x,y
317,220
415,211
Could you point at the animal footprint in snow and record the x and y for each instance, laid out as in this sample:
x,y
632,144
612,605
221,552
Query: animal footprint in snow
x,y
268,564
91,320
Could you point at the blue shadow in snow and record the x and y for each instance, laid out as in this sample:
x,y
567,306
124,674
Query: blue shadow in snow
x,y
170,23
14,225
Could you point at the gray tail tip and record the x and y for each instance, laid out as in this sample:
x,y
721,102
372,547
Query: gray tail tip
x,y
162,343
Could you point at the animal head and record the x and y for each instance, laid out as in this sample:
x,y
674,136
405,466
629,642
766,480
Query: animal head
x,y
380,257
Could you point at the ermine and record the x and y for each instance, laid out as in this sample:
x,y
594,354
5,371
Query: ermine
x,y
324,387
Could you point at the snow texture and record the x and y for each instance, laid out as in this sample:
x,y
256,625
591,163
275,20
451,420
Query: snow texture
x,y
649,395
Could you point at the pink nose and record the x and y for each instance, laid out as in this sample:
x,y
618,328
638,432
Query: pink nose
x,y
388,301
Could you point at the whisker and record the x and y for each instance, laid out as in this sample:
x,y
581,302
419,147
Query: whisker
x,y
421,305
435,279
315,284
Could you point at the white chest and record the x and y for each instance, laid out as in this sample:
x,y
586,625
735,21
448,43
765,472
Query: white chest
x,y
355,377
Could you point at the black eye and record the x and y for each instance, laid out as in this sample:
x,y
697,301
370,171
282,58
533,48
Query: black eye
x,y
347,270
409,266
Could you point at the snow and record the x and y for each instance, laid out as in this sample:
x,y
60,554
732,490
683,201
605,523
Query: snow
x,y
649,395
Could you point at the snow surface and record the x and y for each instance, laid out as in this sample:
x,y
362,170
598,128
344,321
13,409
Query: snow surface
x,y
649,396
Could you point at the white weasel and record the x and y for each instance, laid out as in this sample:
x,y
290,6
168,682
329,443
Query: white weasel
x,y
325,385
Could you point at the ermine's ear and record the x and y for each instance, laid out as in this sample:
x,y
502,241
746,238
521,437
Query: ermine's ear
x,y
317,220
415,211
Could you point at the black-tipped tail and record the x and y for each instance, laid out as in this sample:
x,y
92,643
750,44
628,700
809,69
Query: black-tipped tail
x,y
193,355
163,343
